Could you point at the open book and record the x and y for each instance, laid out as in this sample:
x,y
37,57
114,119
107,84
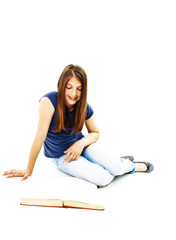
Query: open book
x,y
50,192
59,203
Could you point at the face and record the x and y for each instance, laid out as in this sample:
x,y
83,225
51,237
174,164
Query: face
x,y
72,92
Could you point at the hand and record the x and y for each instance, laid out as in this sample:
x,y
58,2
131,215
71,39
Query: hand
x,y
73,152
17,173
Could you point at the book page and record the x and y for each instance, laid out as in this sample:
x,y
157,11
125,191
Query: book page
x,y
77,204
42,202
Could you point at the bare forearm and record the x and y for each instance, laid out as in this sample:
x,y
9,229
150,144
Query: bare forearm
x,y
90,138
34,152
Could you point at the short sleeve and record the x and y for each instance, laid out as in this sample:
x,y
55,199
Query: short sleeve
x,y
52,97
89,112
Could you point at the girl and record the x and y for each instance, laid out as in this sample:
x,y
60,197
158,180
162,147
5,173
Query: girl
x,y
62,115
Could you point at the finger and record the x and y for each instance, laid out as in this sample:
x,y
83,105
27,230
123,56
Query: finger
x,y
75,157
67,155
7,172
67,151
10,176
25,177
70,158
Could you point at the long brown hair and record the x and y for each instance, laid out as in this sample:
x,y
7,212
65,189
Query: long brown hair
x,y
80,107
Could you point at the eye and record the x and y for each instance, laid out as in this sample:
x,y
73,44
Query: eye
x,y
68,87
80,89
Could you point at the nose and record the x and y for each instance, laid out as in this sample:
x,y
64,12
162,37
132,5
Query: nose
x,y
74,92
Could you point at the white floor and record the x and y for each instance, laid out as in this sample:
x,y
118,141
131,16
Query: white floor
x,y
128,51
138,206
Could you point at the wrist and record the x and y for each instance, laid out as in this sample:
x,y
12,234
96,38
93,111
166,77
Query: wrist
x,y
83,142
29,171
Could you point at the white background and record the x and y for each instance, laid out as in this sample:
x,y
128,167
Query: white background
x,y
127,49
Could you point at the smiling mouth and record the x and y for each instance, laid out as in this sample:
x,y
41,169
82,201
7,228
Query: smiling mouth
x,y
73,99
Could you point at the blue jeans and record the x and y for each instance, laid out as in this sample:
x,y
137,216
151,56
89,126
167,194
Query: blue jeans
x,y
95,166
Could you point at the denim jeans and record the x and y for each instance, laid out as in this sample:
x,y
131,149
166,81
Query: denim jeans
x,y
95,166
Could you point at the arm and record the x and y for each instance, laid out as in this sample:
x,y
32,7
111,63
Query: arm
x,y
46,111
93,132
93,135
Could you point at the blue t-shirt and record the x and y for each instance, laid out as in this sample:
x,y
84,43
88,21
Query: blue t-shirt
x,y
57,142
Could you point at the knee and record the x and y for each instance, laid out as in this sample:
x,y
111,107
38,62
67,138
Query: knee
x,y
104,179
